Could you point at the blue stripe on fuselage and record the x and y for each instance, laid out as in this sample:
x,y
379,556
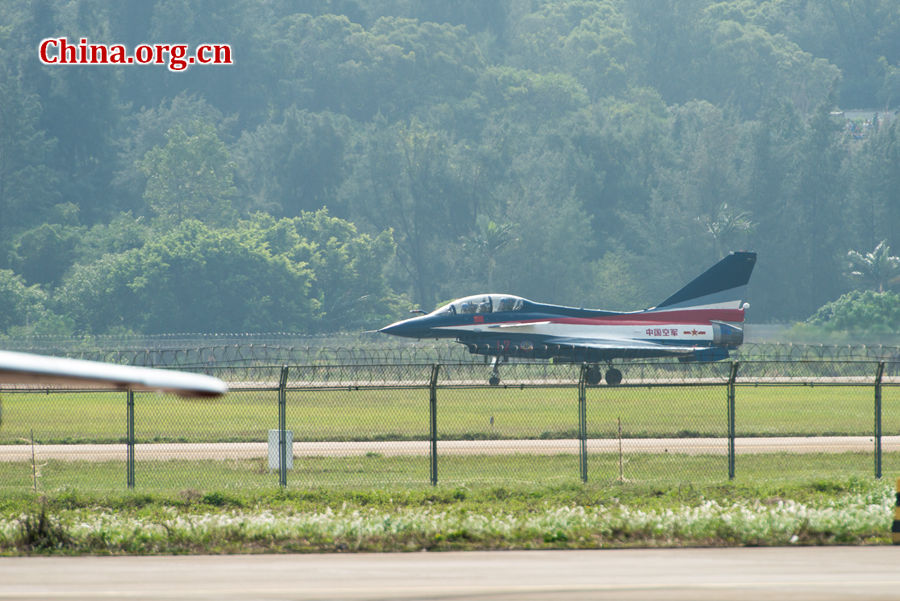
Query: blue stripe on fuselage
x,y
434,326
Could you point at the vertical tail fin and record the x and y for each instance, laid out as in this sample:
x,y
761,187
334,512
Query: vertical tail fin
x,y
722,286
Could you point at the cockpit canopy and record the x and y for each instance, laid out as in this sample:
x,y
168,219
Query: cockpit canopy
x,y
482,303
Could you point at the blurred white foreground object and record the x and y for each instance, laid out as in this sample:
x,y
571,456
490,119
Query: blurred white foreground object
x,y
26,368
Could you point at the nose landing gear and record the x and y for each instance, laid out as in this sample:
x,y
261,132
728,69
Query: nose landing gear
x,y
494,380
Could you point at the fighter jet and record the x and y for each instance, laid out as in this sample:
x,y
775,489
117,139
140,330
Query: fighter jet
x,y
700,322
26,368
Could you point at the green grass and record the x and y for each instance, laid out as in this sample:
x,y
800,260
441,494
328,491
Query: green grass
x,y
375,502
505,497
402,414
790,511
404,473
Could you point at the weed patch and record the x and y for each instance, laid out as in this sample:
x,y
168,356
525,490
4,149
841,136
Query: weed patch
x,y
40,532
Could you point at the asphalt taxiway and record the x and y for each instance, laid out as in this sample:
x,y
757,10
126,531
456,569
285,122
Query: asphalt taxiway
x,y
798,574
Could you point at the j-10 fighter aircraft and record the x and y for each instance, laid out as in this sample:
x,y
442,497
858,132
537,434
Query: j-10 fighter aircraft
x,y
700,322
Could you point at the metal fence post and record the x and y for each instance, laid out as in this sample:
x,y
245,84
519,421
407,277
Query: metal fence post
x,y
432,415
582,422
731,417
879,372
129,443
282,427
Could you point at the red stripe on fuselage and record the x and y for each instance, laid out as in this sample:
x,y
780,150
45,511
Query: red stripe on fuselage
x,y
688,317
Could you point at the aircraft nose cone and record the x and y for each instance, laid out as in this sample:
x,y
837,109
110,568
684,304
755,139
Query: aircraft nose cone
x,y
388,329
402,328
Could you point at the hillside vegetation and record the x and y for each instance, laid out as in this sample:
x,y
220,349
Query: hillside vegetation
x,y
362,156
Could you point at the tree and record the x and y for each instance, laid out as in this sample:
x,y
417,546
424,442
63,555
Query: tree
x,y
592,134
761,66
483,246
28,183
585,39
667,40
878,269
415,181
19,300
860,312
549,259
295,165
192,279
26,308
889,94
146,129
716,51
43,254
191,177
726,226
82,112
329,63
812,214
874,172
530,100
348,282
123,233
703,164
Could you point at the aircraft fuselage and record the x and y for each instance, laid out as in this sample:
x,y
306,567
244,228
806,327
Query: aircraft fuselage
x,y
700,322
541,331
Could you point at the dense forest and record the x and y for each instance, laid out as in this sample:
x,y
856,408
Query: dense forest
x,y
363,156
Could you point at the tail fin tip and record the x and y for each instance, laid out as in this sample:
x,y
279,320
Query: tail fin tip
x,y
723,282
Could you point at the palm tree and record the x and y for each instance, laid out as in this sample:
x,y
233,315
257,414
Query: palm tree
x,y
487,242
876,269
726,225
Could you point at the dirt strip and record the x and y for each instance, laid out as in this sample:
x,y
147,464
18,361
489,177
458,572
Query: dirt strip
x,y
255,450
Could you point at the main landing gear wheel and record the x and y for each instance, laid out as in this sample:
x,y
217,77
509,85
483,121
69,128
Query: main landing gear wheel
x,y
594,376
613,376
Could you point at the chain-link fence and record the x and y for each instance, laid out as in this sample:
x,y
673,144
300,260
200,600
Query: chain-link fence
x,y
414,425
217,350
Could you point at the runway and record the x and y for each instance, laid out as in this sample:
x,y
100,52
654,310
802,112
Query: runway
x,y
798,574
254,450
